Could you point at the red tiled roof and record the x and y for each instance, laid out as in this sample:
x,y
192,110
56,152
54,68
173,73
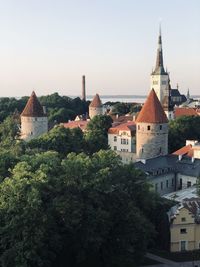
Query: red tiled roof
x,y
128,126
33,107
186,151
76,124
185,111
152,111
96,102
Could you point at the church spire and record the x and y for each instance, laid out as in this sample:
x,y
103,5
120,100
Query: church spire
x,y
159,69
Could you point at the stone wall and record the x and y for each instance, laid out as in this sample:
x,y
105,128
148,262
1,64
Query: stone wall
x,y
151,140
32,127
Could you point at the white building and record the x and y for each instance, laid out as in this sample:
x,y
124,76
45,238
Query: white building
x,y
34,120
122,139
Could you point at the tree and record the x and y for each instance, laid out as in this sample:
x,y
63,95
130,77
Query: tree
x,y
60,139
81,211
182,129
97,133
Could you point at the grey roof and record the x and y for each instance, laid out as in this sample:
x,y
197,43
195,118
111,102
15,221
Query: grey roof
x,y
170,163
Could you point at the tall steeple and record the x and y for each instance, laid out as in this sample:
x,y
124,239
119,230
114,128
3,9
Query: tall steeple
x,y
160,81
159,68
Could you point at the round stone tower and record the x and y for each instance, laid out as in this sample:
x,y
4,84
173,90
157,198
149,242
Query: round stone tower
x,y
151,129
95,107
34,121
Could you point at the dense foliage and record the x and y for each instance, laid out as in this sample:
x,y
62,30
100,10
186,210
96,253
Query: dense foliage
x,y
75,211
59,108
182,129
124,108
65,202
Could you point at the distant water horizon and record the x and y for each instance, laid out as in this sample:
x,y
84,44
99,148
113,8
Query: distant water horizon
x,y
125,98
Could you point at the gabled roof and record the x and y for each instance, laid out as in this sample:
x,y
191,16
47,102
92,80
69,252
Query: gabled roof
x,y
185,111
128,126
33,107
96,102
185,151
152,111
75,124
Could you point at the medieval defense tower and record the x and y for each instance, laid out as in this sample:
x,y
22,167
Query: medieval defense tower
x,y
151,129
95,107
34,120
160,81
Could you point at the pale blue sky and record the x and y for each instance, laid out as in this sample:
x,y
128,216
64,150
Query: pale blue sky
x,y
47,45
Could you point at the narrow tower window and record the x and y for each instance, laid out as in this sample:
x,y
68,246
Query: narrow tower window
x,y
148,127
160,127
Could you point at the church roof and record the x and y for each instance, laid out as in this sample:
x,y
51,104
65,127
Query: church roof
x,y
152,111
96,102
33,107
159,68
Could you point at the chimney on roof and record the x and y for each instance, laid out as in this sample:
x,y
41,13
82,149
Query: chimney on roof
x,y
83,88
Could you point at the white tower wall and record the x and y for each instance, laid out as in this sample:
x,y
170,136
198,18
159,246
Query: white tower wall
x,y
32,127
151,140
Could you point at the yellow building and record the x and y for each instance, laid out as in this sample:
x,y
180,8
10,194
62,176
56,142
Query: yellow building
x,y
185,225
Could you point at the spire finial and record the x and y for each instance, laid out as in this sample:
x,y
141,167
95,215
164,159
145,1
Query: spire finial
x,y
160,31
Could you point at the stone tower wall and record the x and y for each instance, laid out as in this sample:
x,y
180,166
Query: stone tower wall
x,y
151,140
93,111
32,127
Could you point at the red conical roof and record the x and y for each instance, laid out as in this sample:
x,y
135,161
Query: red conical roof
x,y
33,107
152,111
96,102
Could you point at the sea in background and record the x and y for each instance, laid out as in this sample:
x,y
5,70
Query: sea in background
x,y
125,98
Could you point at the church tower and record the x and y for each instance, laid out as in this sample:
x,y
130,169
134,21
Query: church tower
x,y
95,107
160,81
34,120
151,129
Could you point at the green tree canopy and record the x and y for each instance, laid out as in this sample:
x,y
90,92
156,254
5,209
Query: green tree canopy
x,y
182,129
79,211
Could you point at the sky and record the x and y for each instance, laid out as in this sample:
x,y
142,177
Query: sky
x,y
47,45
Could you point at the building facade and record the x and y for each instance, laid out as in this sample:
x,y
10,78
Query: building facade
x,y
151,129
160,82
34,120
95,107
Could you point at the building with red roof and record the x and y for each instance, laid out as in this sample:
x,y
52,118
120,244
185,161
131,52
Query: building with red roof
x,y
34,120
152,129
185,111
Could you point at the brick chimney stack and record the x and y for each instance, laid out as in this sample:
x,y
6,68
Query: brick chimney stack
x,y
83,88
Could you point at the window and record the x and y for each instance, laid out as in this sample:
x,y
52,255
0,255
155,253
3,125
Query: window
x,y
148,127
124,141
138,127
115,148
160,149
183,231
161,185
183,219
189,184
183,246
167,183
142,150
156,187
160,127
115,138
